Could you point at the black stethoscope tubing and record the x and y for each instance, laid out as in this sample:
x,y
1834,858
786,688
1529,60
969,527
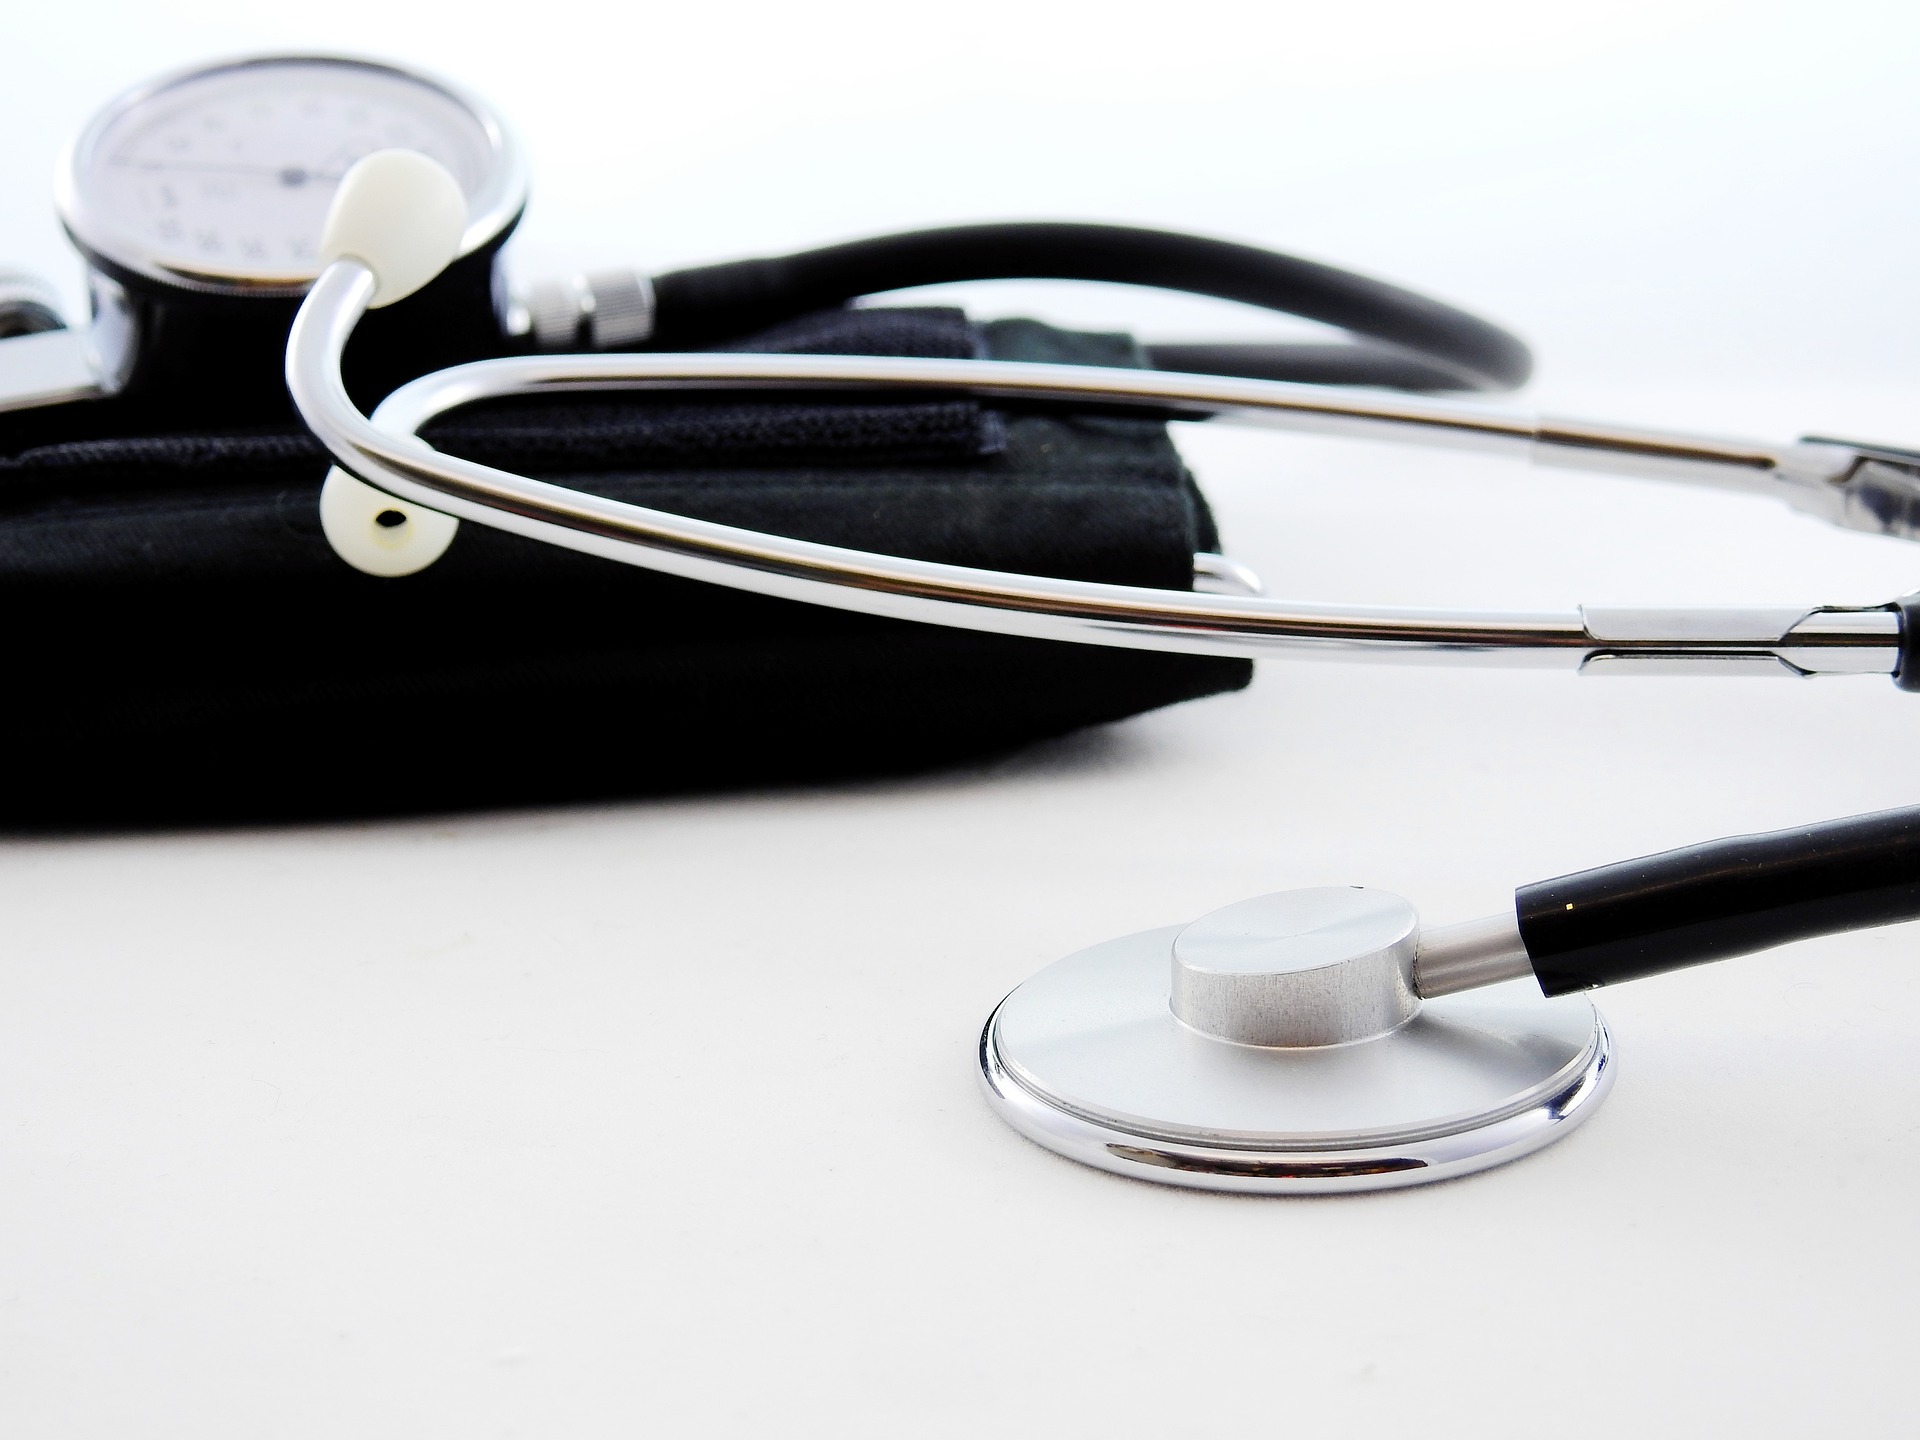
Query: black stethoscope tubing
x,y
1408,341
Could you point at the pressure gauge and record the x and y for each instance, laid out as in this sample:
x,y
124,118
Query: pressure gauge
x,y
217,179
197,201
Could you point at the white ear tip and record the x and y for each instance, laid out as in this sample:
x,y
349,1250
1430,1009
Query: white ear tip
x,y
401,215
375,533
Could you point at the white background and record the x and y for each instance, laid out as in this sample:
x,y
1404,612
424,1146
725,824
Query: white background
x,y
660,1117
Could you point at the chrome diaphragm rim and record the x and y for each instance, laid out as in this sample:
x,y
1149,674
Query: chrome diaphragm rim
x,y
1528,1069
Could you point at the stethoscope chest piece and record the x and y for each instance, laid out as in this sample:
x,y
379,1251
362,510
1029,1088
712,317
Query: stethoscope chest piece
x,y
1278,1047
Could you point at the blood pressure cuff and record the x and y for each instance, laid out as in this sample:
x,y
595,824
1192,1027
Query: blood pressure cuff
x,y
184,646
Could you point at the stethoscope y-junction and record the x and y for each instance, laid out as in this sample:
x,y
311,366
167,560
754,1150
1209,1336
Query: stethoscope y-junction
x,y
1310,1040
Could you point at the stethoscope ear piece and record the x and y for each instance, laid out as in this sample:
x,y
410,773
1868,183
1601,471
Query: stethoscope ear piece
x,y
378,534
399,213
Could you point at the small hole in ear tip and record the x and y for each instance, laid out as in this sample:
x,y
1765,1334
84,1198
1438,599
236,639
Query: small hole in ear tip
x,y
389,519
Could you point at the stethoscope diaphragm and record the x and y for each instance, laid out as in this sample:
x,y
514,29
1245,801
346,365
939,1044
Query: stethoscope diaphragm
x,y
1111,1058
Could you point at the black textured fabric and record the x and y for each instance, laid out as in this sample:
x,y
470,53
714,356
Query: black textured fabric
x,y
186,647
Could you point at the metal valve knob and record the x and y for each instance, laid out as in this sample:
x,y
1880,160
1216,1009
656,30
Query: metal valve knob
x,y
601,310
28,305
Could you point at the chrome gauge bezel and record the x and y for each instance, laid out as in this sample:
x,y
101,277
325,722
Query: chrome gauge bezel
x,y
110,244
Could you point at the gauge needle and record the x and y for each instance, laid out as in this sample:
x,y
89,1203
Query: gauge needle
x,y
289,175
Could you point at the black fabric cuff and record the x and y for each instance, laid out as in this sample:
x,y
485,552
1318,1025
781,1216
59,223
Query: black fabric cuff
x,y
186,647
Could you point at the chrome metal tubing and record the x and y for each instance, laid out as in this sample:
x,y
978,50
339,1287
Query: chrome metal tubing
x,y
386,452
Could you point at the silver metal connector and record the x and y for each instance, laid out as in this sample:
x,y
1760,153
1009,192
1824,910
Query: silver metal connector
x,y
1788,642
601,310
1467,956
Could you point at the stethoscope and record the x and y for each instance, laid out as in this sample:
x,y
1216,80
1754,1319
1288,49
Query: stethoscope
x,y
1305,1041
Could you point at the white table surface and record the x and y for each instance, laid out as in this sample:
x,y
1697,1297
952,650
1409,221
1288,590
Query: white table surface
x,y
661,1117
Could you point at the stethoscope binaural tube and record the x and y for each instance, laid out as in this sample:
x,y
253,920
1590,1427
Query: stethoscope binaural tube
x,y
1857,486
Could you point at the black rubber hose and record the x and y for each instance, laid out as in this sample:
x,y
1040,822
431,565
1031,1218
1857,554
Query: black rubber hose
x,y
1907,676
1727,897
719,302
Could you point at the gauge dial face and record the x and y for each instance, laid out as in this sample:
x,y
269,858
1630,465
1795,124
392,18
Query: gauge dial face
x,y
223,176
